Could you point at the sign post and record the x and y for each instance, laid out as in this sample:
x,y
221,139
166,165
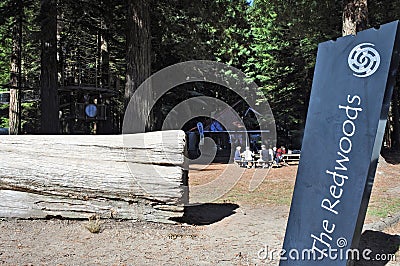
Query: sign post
x,y
350,98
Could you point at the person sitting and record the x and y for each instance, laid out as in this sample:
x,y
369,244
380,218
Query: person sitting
x,y
279,153
264,157
248,156
271,154
237,158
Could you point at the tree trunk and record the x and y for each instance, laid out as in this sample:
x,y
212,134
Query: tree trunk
x,y
104,57
48,77
355,16
395,136
15,79
138,47
139,176
60,50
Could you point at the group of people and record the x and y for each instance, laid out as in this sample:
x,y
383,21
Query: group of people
x,y
267,157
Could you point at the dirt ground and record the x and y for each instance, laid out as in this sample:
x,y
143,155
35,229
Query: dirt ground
x,y
236,229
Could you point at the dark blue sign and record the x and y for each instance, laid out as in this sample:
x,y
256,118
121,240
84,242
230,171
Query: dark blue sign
x,y
353,82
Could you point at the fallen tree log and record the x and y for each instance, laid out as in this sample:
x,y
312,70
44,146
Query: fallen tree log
x,y
137,176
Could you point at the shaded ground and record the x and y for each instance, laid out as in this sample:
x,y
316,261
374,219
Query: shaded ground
x,y
231,231
383,247
207,213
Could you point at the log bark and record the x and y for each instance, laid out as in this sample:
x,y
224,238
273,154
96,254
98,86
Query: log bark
x,y
138,176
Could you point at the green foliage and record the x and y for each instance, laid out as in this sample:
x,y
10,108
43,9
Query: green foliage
x,y
5,51
30,117
383,11
283,49
274,42
4,115
3,122
188,30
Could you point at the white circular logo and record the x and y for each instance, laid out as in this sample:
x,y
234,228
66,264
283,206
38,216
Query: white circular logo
x,y
364,60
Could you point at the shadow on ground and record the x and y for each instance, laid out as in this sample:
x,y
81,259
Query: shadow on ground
x,y
383,247
208,213
391,156
194,168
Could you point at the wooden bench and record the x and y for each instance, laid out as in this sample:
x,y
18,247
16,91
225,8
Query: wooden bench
x,y
254,163
291,158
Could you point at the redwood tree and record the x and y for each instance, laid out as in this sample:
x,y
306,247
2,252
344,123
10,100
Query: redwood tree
x,y
15,79
48,77
355,16
395,121
138,58
138,61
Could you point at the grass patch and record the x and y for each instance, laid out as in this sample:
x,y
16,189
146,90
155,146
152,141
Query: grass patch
x,y
93,225
270,193
383,207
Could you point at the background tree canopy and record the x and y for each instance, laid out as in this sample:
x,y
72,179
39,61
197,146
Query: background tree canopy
x,y
99,51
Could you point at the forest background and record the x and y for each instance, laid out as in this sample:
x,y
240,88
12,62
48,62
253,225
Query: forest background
x,y
51,50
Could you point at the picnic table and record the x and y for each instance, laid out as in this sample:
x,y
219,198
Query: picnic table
x,y
254,163
291,158
287,159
